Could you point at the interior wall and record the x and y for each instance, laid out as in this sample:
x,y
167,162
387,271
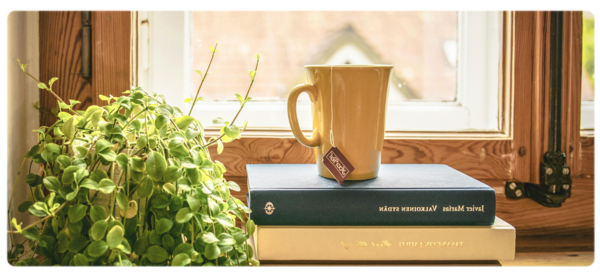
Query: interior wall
x,y
23,43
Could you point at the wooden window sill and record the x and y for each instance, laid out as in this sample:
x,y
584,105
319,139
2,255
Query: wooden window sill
x,y
585,258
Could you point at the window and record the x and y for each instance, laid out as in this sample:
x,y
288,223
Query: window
x,y
446,75
587,83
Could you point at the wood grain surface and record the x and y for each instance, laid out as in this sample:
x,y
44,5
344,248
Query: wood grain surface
x,y
572,67
586,166
111,52
555,243
60,56
523,86
482,159
552,259
567,258
540,112
575,216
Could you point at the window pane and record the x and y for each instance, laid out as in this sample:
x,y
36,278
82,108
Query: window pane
x,y
422,46
587,85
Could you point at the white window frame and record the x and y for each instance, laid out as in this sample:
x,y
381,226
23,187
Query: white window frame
x,y
587,118
165,67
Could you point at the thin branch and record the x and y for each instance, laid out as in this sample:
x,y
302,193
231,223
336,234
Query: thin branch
x,y
41,220
244,215
203,77
91,147
247,93
133,118
11,197
238,112
38,81
50,91
184,143
37,242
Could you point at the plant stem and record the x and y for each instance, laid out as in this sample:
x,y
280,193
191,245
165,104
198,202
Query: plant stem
x,y
11,198
248,257
193,232
238,112
127,179
113,194
213,226
15,185
146,126
112,173
116,112
243,223
241,212
199,138
237,257
133,118
247,93
37,243
41,220
91,147
184,143
95,164
94,197
30,164
32,191
97,191
120,261
55,95
202,82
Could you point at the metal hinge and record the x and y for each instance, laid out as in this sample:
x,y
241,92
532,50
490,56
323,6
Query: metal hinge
x,y
555,176
144,40
555,183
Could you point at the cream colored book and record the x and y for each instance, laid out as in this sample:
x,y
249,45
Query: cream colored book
x,y
386,243
381,265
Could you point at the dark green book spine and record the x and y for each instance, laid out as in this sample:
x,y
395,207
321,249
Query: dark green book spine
x,y
360,207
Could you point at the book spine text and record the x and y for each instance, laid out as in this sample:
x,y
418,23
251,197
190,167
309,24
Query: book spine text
x,y
373,207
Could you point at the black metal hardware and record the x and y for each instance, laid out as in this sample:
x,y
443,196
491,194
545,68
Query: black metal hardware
x,y
555,175
86,45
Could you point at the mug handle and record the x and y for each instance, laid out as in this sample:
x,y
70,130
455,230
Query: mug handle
x,y
315,140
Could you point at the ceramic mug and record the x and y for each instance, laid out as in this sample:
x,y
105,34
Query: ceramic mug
x,y
357,95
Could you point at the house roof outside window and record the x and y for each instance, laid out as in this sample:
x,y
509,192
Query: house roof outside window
x,y
418,44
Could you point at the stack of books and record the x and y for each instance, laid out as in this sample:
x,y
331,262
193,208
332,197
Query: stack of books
x,y
410,212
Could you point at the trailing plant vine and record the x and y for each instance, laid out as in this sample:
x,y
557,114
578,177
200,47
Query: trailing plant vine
x,y
131,183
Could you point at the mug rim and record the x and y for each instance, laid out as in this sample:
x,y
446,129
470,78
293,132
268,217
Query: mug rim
x,y
350,65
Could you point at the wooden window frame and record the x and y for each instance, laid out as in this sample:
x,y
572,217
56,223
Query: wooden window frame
x,y
60,56
493,159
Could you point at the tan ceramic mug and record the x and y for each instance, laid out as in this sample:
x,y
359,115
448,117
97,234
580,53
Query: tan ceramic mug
x,y
357,94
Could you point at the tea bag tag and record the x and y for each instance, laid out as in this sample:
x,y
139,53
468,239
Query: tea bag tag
x,y
334,160
337,164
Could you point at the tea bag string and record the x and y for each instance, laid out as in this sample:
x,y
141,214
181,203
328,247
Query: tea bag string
x,y
331,140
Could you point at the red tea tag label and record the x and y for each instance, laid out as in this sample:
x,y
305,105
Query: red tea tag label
x,y
337,164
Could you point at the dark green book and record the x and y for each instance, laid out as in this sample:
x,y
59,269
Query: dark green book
x,y
403,194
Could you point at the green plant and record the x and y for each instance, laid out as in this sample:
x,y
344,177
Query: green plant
x,y
131,183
